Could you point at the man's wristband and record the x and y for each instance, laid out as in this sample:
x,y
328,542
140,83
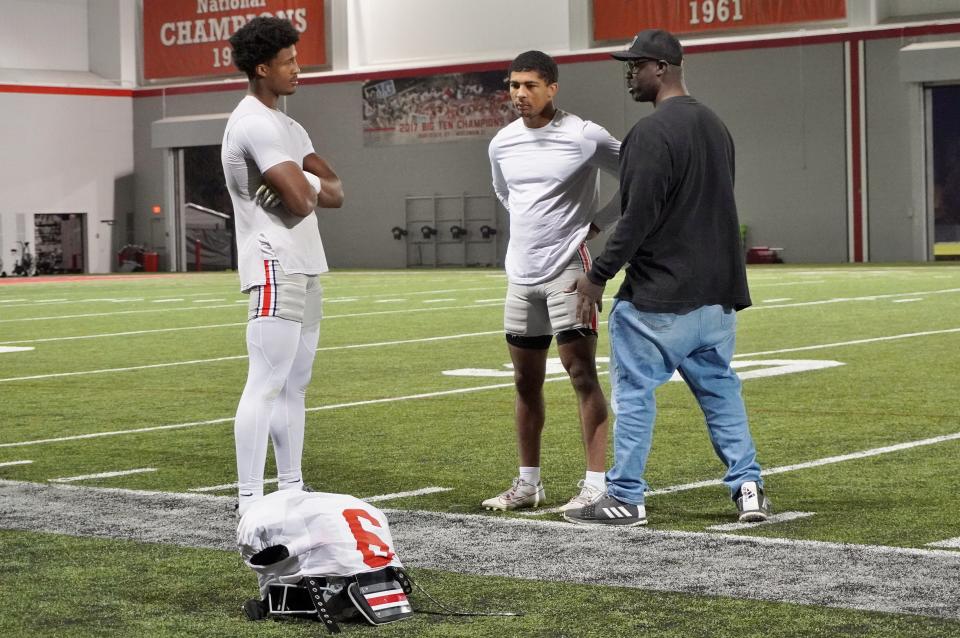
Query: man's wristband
x,y
314,181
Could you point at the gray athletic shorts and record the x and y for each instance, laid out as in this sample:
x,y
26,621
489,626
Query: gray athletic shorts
x,y
294,297
545,309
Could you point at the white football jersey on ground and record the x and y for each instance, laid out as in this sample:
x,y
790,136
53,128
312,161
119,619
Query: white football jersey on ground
x,y
326,535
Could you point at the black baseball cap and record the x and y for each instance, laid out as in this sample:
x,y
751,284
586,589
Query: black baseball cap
x,y
653,44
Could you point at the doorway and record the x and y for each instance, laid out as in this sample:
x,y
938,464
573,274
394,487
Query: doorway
x,y
60,243
945,137
208,212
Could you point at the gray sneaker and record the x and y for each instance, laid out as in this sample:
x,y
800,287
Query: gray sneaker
x,y
520,495
588,495
753,505
607,510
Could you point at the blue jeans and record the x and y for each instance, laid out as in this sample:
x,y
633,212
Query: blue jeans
x,y
646,348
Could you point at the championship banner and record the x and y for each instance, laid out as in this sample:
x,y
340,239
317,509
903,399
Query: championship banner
x,y
622,19
189,38
437,108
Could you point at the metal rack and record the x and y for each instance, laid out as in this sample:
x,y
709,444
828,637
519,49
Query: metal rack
x,y
451,230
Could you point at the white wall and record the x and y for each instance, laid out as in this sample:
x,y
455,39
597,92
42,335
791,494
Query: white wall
x,y
65,154
391,33
891,10
44,34
112,34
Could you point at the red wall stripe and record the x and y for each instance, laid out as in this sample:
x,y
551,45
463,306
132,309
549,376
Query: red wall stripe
x,y
692,48
64,90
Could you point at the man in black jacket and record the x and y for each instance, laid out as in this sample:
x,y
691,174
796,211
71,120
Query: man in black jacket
x,y
679,239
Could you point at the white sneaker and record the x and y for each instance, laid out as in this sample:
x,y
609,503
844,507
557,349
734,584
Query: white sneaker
x,y
588,495
521,494
753,506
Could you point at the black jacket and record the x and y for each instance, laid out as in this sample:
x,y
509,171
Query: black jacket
x,y
678,228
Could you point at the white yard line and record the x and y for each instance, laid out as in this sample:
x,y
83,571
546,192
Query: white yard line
x,y
887,449
854,342
425,340
86,477
233,305
129,333
787,283
56,375
96,300
791,468
776,518
950,543
227,486
8,463
335,406
847,299
4,349
369,499
396,495
117,313
239,356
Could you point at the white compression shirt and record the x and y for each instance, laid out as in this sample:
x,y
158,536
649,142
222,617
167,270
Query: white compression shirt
x,y
256,139
547,179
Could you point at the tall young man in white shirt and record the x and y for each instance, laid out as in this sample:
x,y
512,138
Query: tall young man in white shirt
x,y
545,172
275,180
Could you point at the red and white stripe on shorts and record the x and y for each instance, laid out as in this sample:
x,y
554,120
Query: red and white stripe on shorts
x,y
585,260
267,304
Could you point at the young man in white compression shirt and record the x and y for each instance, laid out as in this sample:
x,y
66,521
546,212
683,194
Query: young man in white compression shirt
x,y
275,180
545,172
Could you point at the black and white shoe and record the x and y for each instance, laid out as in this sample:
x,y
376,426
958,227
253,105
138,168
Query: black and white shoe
x,y
753,506
608,511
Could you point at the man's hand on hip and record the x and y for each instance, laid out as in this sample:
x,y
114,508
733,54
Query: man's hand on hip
x,y
589,298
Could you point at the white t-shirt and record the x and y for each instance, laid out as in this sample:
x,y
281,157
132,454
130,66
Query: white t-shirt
x,y
547,179
256,139
326,535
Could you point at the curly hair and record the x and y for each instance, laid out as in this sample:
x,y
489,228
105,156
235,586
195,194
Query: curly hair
x,y
259,41
537,61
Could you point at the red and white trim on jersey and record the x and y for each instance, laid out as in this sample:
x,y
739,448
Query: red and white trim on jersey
x,y
585,261
386,599
267,304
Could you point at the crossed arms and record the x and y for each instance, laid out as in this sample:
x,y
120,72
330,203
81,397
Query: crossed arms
x,y
301,189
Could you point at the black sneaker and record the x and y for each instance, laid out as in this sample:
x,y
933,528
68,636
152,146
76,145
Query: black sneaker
x,y
753,505
608,511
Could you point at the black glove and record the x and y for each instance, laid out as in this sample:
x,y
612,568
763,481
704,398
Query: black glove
x,y
270,555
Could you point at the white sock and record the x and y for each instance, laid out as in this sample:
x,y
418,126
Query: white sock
x,y
530,475
596,480
245,501
290,485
